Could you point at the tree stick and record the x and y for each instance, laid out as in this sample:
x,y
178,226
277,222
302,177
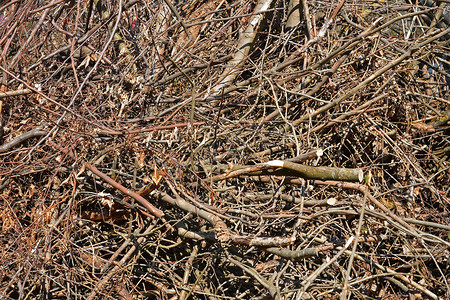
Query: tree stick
x,y
244,45
38,131
308,172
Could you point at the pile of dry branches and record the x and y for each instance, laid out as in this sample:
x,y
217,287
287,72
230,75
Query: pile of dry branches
x,y
224,149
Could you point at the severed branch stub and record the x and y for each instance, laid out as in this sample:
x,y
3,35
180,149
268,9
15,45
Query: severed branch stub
x,y
308,172
292,169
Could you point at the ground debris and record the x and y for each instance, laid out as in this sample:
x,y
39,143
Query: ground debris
x,y
207,149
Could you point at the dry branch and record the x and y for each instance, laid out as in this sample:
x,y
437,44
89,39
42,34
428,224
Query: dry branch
x,y
15,93
289,168
38,131
330,173
156,212
243,46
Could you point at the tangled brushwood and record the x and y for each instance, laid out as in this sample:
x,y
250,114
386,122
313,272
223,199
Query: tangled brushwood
x,y
224,149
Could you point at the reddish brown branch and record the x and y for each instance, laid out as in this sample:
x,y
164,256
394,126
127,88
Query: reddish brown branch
x,y
158,213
